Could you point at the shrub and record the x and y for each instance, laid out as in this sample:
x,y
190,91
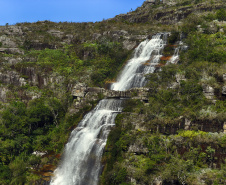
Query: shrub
x,y
221,15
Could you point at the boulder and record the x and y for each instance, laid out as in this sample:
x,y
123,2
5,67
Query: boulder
x,y
208,92
79,90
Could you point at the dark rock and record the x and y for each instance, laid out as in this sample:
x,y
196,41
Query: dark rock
x,y
224,90
13,78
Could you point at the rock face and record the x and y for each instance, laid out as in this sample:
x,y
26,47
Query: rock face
x,y
12,61
151,1
38,78
80,91
187,124
11,30
129,45
3,94
56,33
224,90
12,77
83,94
208,92
7,42
138,148
163,15
11,50
129,41
224,77
141,122
8,39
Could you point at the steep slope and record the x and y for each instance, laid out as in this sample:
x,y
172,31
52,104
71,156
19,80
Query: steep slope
x,y
44,63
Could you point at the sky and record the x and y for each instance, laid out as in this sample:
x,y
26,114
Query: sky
x,y
16,11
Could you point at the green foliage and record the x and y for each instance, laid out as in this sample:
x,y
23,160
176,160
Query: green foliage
x,y
5,174
221,15
206,48
173,158
174,37
43,124
190,24
191,134
120,176
24,129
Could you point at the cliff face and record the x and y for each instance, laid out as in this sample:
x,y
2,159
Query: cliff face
x,y
167,12
51,74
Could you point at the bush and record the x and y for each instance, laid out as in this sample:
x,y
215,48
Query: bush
x,y
221,15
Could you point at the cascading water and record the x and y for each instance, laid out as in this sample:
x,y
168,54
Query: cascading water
x,y
175,57
81,161
146,56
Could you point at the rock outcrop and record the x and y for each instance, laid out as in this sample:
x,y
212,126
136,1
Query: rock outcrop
x,y
224,90
12,77
83,94
3,94
81,90
162,15
208,92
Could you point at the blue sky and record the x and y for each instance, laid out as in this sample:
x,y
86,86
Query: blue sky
x,y
15,11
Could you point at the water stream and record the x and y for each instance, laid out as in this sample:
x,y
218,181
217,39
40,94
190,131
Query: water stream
x,y
81,160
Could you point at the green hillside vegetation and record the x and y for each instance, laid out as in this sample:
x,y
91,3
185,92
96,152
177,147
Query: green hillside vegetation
x,y
188,156
36,116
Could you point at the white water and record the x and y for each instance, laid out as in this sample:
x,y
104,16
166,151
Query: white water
x,y
133,73
175,57
81,161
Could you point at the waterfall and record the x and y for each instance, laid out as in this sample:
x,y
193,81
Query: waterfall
x,y
175,57
81,160
133,74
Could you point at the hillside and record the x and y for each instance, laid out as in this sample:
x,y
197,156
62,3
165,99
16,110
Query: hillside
x,y
52,74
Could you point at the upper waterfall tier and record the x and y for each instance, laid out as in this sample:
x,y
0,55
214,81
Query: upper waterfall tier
x,y
146,55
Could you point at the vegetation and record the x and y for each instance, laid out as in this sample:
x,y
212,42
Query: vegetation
x,y
37,110
154,148
184,158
